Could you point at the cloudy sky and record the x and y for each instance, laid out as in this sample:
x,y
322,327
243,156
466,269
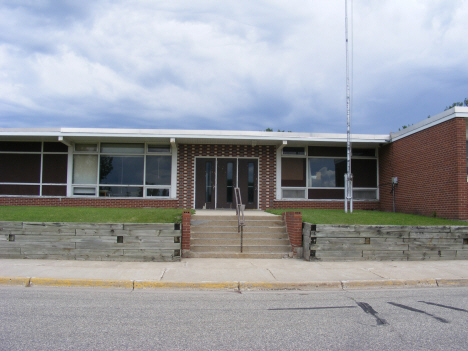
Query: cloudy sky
x,y
231,64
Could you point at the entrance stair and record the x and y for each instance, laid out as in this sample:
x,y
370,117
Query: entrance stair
x,y
214,234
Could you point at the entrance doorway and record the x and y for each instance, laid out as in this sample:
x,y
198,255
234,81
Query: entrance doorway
x,y
216,178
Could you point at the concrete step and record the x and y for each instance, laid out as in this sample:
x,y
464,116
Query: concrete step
x,y
238,255
235,235
246,242
248,249
230,229
196,217
232,223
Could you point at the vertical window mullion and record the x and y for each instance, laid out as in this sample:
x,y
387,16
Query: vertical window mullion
x,y
41,170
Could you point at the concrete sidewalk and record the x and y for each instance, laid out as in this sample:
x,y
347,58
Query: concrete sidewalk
x,y
237,274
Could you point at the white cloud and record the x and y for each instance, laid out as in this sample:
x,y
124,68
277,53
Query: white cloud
x,y
230,64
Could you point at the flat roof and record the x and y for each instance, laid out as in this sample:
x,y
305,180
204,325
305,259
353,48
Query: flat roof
x,y
184,136
454,112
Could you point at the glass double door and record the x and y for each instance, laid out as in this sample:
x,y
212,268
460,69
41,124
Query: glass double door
x,y
216,179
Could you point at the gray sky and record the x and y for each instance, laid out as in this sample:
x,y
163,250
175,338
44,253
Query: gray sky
x,y
231,64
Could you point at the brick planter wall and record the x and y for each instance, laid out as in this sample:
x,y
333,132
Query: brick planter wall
x,y
186,217
293,222
266,155
431,170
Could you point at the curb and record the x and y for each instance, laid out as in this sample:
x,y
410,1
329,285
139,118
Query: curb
x,y
403,283
239,286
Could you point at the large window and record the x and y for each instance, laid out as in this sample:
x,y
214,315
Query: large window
x,y
323,177
122,170
33,168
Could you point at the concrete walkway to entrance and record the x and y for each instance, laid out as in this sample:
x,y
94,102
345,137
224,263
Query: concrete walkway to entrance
x,y
223,212
236,274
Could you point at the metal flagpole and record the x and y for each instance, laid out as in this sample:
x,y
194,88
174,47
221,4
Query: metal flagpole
x,y
348,175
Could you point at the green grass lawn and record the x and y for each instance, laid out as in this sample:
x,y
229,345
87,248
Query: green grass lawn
x,y
367,218
89,214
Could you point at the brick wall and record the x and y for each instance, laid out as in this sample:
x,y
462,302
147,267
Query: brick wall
x,y
186,217
87,202
431,170
293,222
266,155
328,205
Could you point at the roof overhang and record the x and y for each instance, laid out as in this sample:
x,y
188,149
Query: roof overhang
x,y
80,135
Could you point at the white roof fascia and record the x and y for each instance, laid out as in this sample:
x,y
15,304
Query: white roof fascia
x,y
277,137
454,112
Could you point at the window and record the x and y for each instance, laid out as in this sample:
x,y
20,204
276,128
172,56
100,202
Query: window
x,y
293,150
33,168
122,170
321,174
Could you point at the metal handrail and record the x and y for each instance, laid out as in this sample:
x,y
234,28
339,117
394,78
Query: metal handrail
x,y
240,215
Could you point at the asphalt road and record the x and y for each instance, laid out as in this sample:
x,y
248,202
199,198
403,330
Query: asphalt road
x,y
111,319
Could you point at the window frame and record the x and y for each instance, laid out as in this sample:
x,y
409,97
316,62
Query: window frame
x,y
42,186
308,177
98,191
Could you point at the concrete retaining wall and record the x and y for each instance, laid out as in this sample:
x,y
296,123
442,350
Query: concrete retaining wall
x,y
89,241
402,243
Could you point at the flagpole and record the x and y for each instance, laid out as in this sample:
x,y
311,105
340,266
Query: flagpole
x,y
348,175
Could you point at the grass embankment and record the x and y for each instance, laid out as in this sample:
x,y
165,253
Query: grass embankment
x,y
89,214
367,218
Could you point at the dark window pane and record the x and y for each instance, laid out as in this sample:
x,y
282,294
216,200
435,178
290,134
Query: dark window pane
x,y
364,152
18,146
159,148
122,148
208,182
121,170
251,185
157,192
364,173
54,190
326,194
229,182
120,191
327,151
293,151
54,169
327,172
19,190
293,172
20,168
55,147
158,170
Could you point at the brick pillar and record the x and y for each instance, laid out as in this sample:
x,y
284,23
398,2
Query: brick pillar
x,y
186,215
294,227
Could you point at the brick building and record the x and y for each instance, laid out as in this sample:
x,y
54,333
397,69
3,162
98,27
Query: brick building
x,y
200,169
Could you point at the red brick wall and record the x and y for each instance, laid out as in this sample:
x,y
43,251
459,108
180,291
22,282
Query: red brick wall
x,y
431,170
86,202
328,205
266,155
294,227
186,217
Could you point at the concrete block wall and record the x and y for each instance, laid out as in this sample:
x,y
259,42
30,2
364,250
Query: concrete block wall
x,y
431,170
89,241
403,243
